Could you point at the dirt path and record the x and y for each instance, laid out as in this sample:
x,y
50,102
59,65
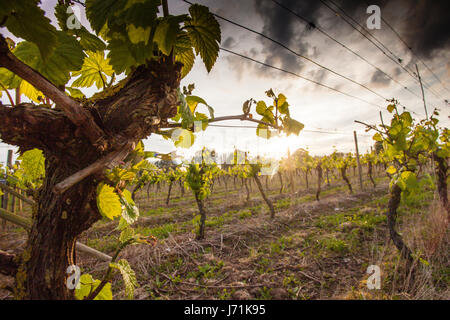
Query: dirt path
x,y
254,258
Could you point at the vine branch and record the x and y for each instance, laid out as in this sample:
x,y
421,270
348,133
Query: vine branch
x,y
242,117
72,109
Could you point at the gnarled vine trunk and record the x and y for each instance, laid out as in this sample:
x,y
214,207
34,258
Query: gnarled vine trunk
x,y
370,174
127,112
168,193
344,177
319,181
394,202
281,182
306,179
266,199
57,221
244,182
441,173
202,222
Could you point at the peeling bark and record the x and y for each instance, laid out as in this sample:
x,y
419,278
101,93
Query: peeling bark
x,y
281,182
394,202
441,173
128,112
201,227
344,177
370,174
266,199
168,193
8,265
319,181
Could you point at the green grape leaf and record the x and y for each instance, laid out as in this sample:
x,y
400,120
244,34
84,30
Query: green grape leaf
x,y
377,137
183,138
281,100
292,126
26,20
88,41
391,170
128,275
120,56
88,284
31,92
261,108
124,55
33,164
284,108
263,132
406,117
138,34
130,211
108,201
184,53
9,79
98,12
166,34
204,32
407,181
184,111
75,93
141,13
94,71
126,235
193,101
68,56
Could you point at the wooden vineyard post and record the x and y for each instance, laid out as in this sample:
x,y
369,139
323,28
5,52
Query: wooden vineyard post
x,y
5,196
358,161
423,93
10,166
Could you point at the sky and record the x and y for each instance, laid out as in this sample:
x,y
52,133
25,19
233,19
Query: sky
x,y
328,116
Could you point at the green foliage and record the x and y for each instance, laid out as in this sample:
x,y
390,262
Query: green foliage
x,y
198,179
333,244
32,168
94,71
88,285
130,211
66,57
276,115
108,202
90,42
26,20
133,32
407,144
204,32
184,53
128,275
193,101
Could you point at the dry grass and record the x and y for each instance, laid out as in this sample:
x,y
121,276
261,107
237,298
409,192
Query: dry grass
x,y
427,278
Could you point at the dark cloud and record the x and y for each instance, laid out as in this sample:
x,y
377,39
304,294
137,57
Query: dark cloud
x,y
423,25
287,29
426,27
229,42
379,78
